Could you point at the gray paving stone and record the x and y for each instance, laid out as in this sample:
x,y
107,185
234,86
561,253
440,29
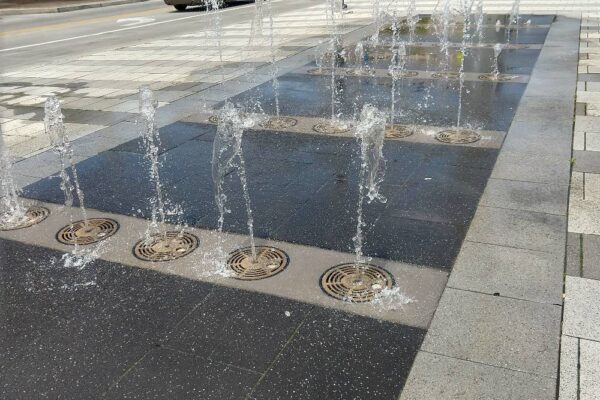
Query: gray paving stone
x,y
555,84
587,123
541,137
530,166
507,333
528,196
569,358
591,256
509,272
435,377
589,381
582,308
573,256
538,110
586,161
520,229
589,77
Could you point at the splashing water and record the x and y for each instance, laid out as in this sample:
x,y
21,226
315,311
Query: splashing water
x,y
213,7
55,129
335,49
464,47
370,134
497,50
412,19
391,299
274,70
359,57
228,157
397,65
11,208
441,17
479,22
513,21
148,130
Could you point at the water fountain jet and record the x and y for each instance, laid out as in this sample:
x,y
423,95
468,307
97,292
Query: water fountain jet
x,y
159,244
87,230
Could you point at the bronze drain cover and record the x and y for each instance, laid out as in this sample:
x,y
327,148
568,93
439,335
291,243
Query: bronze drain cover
x,y
319,71
33,215
213,119
496,78
458,136
446,75
269,261
95,230
356,283
166,247
279,123
360,72
404,74
331,128
398,131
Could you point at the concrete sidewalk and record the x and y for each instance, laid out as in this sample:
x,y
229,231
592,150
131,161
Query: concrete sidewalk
x,y
16,7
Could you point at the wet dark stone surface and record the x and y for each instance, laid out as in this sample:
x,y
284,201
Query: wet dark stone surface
x,y
510,61
490,34
304,190
112,331
487,105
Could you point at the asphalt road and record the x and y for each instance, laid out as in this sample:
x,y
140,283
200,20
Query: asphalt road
x,y
29,39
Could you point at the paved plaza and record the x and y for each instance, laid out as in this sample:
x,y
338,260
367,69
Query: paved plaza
x,y
490,244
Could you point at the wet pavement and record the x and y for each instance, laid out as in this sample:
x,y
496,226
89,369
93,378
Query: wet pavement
x,y
304,189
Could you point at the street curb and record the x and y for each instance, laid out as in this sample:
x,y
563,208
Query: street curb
x,y
47,10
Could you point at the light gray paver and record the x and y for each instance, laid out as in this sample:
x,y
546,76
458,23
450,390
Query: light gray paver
x,y
569,374
507,333
435,377
520,229
587,161
521,165
510,272
589,380
582,308
527,196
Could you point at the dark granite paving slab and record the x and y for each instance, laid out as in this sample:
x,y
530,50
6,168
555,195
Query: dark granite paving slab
x,y
118,332
523,18
304,190
486,105
335,356
168,374
524,35
510,61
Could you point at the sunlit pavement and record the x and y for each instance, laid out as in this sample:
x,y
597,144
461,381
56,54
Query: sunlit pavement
x,y
473,233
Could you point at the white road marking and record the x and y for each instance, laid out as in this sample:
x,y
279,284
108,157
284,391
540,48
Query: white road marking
x,y
135,21
119,30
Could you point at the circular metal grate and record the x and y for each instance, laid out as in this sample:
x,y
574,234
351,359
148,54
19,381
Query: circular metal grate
x,y
404,74
398,131
331,128
33,215
95,230
458,136
446,75
279,123
166,247
496,78
360,72
319,71
356,283
269,261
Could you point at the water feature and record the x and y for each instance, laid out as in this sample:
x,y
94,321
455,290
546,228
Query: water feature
x,y
442,19
497,50
227,156
412,19
59,140
370,134
464,47
513,21
12,211
479,21
396,68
